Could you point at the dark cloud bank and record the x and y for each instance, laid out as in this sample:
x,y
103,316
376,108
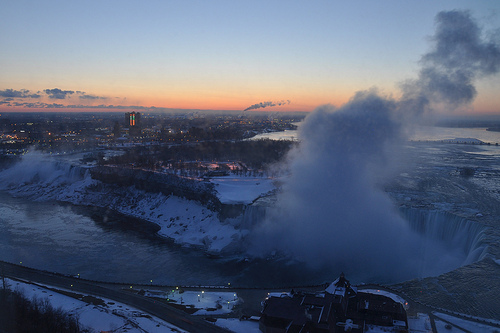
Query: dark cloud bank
x,y
23,93
12,97
332,211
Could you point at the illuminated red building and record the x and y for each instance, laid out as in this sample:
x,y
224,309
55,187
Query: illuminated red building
x,y
133,122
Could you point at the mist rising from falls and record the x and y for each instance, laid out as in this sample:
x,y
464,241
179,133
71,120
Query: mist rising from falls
x,y
332,210
42,177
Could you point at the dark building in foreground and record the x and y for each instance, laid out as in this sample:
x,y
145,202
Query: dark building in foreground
x,y
340,308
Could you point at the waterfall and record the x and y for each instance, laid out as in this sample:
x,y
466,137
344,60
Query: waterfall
x,y
252,215
453,232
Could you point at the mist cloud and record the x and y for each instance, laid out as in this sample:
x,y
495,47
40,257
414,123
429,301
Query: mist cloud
x,y
332,210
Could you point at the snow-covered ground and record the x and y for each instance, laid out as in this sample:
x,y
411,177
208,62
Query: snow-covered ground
x,y
467,325
206,303
241,190
421,323
111,317
118,317
239,326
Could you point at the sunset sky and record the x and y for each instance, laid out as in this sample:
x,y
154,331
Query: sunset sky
x,y
221,55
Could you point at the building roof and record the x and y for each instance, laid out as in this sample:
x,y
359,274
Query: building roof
x,y
339,305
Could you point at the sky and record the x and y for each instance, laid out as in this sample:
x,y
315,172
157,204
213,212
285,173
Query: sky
x,y
220,55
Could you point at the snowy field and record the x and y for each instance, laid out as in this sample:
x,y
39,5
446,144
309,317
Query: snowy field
x,y
111,317
206,303
239,326
241,190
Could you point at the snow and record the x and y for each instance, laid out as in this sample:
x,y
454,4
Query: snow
x,y
394,297
185,221
279,294
467,325
442,327
113,316
420,324
380,329
207,303
241,190
239,326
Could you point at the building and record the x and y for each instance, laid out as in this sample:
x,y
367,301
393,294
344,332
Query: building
x,y
339,308
133,123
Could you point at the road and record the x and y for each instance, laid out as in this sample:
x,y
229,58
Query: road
x,y
167,313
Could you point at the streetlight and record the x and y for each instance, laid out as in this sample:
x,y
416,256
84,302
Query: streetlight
x,y
198,297
203,294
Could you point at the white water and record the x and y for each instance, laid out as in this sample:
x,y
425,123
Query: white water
x,y
461,238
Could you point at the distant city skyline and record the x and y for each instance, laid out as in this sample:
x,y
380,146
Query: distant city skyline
x,y
219,55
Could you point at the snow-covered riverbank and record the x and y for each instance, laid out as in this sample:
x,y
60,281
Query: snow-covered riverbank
x,y
187,222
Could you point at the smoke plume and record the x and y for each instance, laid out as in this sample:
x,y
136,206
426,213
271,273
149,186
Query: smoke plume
x,y
459,56
332,210
266,104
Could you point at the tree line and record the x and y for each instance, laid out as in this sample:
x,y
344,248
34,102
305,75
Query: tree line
x,y
20,314
256,154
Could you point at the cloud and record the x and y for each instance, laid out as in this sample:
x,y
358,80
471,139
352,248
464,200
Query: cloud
x,y
90,97
57,93
41,105
23,93
266,104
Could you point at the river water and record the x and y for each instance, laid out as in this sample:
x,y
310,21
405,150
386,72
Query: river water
x,y
105,246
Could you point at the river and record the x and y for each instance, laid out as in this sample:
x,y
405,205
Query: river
x,y
103,245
